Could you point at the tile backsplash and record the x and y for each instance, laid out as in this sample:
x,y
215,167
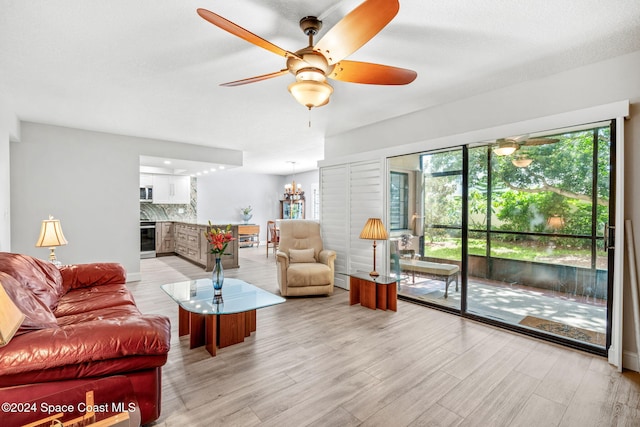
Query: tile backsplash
x,y
160,212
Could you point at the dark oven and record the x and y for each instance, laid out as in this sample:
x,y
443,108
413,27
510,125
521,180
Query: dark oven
x,y
147,239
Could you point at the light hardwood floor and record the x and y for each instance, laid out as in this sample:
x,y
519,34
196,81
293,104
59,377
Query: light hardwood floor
x,y
321,362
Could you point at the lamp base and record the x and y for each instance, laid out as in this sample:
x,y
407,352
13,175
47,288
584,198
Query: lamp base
x,y
52,257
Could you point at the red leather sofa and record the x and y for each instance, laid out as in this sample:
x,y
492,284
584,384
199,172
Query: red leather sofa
x,y
81,325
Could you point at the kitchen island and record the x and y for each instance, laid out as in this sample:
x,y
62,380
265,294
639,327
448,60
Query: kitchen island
x,y
187,240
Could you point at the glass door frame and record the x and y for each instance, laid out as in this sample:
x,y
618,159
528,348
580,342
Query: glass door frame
x,y
613,260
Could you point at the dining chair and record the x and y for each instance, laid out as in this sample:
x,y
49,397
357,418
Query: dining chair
x,y
273,237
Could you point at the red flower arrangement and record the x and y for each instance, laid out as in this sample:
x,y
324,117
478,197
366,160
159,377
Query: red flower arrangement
x,y
218,238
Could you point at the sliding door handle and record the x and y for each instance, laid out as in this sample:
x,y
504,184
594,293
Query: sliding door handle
x,y
609,237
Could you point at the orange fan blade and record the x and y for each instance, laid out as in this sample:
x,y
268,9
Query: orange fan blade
x,y
357,28
237,30
372,74
255,79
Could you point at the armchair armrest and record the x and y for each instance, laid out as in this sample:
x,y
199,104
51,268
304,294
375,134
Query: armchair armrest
x,y
282,257
94,274
282,261
327,257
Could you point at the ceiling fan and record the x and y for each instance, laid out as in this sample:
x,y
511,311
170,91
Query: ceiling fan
x,y
507,146
313,64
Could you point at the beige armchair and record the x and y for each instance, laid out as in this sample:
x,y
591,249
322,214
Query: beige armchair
x,y
304,267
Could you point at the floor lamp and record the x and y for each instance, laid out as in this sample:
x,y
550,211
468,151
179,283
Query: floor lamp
x,y
374,230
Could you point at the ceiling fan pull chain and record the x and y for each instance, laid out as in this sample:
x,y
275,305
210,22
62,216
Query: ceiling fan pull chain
x,y
309,116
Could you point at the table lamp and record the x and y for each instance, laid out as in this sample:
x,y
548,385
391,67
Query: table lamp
x,y
50,237
374,230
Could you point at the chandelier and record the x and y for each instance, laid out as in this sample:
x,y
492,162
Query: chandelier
x,y
293,191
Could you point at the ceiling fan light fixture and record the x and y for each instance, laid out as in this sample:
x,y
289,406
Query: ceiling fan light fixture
x,y
505,148
521,162
311,93
311,74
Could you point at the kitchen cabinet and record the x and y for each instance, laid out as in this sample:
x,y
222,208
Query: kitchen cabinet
x,y
146,180
187,241
190,243
204,252
165,241
171,189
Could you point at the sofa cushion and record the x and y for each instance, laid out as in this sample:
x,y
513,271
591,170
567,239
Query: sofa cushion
x,y
37,313
75,351
42,278
95,274
308,274
117,312
10,317
302,255
83,300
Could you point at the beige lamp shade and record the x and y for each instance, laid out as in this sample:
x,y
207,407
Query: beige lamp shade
x,y
374,230
50,237
51,234
10,317
555,222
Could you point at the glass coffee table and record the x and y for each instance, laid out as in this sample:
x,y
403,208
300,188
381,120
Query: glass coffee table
x,y
218,320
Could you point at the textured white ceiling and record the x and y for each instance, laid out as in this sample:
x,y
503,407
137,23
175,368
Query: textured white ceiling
x,y
152,69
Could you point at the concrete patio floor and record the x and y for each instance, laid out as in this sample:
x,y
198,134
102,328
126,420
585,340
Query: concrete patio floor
x,y
513,303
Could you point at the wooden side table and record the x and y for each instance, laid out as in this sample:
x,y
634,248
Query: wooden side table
x,y
373,292
248,235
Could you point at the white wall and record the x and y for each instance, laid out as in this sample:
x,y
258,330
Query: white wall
x,y
601,83
222,195
5,193
88,180
85,179
509,111
9,130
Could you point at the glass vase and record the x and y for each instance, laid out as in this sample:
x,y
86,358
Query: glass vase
x,y
218,302
217,276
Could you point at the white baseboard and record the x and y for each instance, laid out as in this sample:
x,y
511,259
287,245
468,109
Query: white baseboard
x,y
630,361
134,277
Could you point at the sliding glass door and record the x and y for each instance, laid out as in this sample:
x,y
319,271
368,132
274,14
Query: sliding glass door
x,y
427,254
543,266
519,226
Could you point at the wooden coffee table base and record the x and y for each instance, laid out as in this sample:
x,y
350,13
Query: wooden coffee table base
x,y
215,330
